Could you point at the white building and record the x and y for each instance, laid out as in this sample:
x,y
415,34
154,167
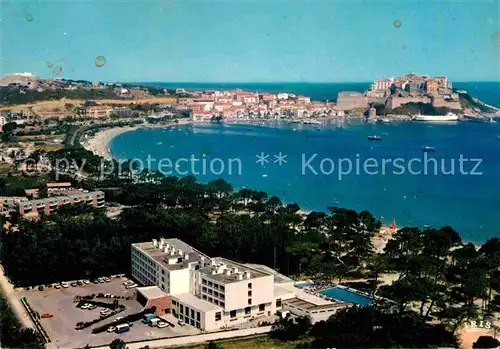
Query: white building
x,y
214,293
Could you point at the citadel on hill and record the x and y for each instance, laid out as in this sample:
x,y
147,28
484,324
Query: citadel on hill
x,y
410,88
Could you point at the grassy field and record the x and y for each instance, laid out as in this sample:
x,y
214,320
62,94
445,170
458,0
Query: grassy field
x,y
40,137
253,343
45,106
4,169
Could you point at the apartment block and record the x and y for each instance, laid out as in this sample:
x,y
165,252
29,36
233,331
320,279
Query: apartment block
x,y
48,205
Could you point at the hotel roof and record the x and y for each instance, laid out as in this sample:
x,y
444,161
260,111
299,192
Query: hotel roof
x,y
175,257
196,303
225,271
151,292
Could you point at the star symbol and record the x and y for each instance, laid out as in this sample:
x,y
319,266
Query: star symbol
x,y
262,158
280,158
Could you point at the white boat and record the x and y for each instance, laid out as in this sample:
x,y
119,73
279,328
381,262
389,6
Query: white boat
x,y
448,117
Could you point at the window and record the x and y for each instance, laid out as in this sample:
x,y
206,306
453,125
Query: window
x,y
278,302
163,272
191,322
216,302
210,299
216,294
249,301
204,289
192,313
204,282
174,302
249,293
187,312
247,310
221,304
198,316
198,325
218,316
182,308
232,313
262,307
210,284
216,286
210,291
204,297
222,288
249,285
162,279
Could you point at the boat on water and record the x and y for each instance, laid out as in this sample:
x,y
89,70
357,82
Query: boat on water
x,y
374,138
384,120
479,119
428,149
448,117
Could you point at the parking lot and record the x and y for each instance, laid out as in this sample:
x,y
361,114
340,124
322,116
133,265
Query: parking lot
x,y
61,327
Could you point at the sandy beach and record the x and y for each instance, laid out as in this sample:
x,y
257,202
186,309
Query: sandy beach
x,y
99,144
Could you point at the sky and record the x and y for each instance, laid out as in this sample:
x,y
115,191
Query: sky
x,y
251,41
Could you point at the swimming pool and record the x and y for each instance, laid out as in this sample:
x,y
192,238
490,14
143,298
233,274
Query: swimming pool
x,y
345,295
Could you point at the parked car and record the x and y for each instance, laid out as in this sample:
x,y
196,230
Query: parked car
x,y
57,286
162,324
128,282
105,311
79,283
111,329
64,284
100,280
131,286
86,282
95,281
119,318
47,316
181,323
92,306
74,284
122,328
106,279
85,306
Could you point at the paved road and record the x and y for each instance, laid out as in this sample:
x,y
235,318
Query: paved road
x,y
13,300
197,339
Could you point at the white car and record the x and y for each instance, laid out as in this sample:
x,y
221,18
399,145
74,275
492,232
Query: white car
x,y
128,282
162,324
64,284
100,280
111,329
86,282
119,318
85,306
57,286
131,286
105,312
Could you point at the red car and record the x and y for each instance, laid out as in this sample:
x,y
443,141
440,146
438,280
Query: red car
x,y
47,316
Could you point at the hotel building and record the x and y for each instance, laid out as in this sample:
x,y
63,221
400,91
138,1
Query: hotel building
x,y
49,205
213,293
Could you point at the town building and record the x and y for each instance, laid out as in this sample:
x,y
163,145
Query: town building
x,y
213,293
48,205
431,86
97,111
382,84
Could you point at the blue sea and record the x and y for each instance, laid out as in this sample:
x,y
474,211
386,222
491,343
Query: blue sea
x,y
318,157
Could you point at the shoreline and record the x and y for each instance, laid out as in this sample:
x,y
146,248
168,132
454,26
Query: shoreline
x,y
99,143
